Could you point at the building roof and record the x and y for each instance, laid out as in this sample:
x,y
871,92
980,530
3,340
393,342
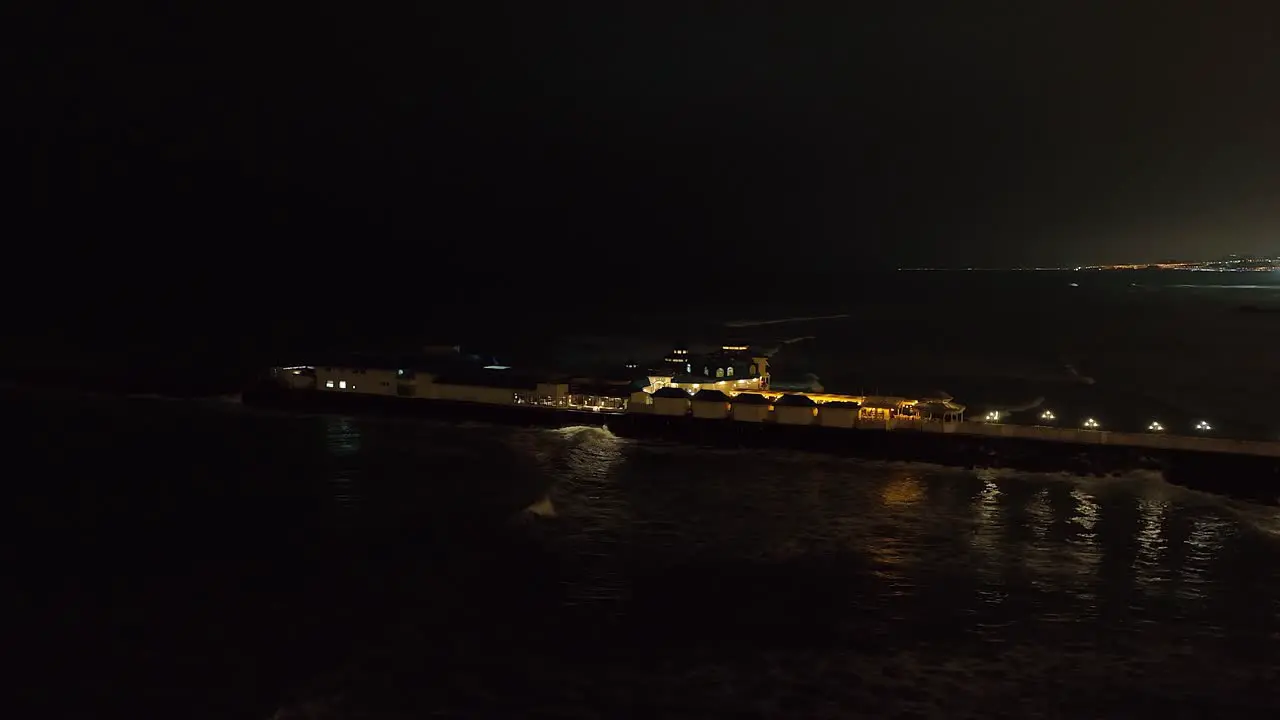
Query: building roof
x,y
671,392
612,379
491,378
939,408
795,401
883,402
710,396
612,390
750,399
871,404
689,379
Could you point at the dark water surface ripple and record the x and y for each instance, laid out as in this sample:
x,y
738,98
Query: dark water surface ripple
x,y
203,560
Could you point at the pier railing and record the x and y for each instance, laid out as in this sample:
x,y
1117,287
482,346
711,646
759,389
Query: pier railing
x,y
1155,441
1158,441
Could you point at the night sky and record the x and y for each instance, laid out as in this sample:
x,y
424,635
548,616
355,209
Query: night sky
x,y
529,137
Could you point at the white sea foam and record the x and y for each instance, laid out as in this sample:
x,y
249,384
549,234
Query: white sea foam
x,y
543,508
575,430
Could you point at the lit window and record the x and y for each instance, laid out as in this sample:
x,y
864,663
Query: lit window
x,y
719,372
688,367
328,383
752,369
706,371
728,371
342,384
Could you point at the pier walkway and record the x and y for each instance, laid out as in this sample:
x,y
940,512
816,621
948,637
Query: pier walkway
x,y
1155,441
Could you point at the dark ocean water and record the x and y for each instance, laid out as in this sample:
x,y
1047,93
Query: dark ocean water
x,y
1123,348
193,559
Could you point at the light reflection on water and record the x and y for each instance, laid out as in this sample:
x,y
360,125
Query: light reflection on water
x,y
1083,545
1152,542
674,543
889,549
343,440
902,492
1203,545
342,436
650,576
1051,532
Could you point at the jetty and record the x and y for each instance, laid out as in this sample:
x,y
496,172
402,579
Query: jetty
x,y
727,399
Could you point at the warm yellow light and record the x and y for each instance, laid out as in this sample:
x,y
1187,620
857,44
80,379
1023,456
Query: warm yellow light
x,y
902,491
